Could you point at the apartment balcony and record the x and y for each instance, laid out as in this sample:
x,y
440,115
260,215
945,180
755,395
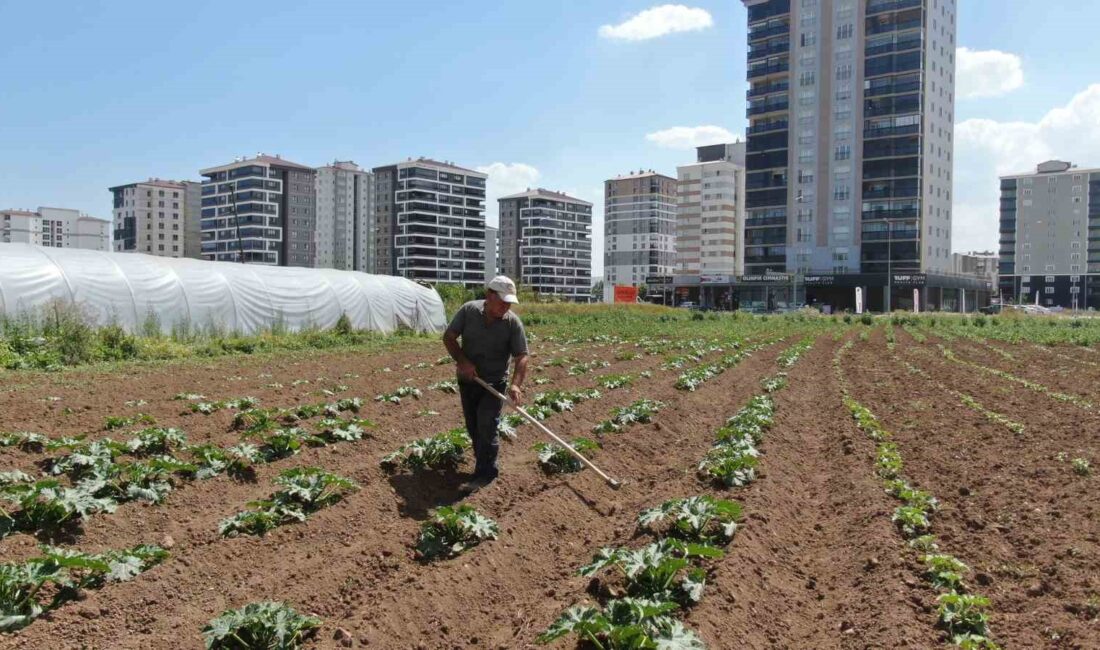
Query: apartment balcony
x,y
768,30
880,6
764,70
769,49
886,213
770,125
769,107
766,89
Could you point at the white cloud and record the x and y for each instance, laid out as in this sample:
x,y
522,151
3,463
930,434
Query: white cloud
x,y
505,179
659,21
986,149
987,73
689,137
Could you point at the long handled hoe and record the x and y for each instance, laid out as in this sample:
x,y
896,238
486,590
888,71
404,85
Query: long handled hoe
x,y
542,427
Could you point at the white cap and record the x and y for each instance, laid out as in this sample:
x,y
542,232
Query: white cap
x,y
504,287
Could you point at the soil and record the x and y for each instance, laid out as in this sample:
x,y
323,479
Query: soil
x,y
817,563
1023,521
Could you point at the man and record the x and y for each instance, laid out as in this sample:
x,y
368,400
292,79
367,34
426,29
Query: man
x,y
491,334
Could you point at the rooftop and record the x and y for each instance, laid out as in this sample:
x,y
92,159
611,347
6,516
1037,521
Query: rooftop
x,y
1053,167
539,192
259,159
641,174
155,182
440,165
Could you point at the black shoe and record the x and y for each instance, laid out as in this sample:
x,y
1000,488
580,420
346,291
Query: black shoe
x,y
477,482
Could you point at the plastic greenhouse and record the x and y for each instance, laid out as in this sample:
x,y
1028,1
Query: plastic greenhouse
x,y
127,288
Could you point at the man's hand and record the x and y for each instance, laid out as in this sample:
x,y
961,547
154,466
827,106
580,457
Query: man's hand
x,y
515,393
467,370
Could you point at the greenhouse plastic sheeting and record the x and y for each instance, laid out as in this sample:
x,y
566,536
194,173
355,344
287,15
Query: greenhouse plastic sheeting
x,y
126,288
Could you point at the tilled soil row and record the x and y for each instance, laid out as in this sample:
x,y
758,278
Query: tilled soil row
x,y
346,548
818,564
86,398
1032,364
1023,522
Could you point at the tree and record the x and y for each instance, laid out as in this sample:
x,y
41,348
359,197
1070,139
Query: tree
x,y
597,290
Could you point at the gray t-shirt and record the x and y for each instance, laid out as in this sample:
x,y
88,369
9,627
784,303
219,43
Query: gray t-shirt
x,y
489,348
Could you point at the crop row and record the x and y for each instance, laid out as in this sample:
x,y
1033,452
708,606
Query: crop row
x,y
692,379
963,615
94,477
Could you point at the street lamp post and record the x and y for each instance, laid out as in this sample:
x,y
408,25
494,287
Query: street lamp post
x,y
889,268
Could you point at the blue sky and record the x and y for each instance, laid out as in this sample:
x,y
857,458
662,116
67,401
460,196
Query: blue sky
x,y
96,94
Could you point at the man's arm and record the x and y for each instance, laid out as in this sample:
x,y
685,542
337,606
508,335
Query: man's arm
x,y
519,375
466,368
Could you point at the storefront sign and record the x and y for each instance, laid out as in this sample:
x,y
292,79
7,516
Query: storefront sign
x,y
716,279
626,294
658,279
819,280
910,279
765,278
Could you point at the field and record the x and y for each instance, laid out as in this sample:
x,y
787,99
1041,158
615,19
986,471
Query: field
x,y
896,482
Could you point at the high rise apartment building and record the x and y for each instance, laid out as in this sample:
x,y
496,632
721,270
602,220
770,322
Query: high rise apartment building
x,y
55,228
259,211
430,222
849,164
710,213
345,217
1050,236
157,217
639,229
546,243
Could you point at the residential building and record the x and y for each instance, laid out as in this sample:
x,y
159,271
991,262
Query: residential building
x,y
492,252
430,222
979,264
733,152
546,243
273,202
157,217
850,152
55,228
639,230
710,217
1050,236
345,217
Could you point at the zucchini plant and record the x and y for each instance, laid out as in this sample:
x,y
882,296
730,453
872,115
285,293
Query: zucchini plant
x,y
46,504
155,440
29,589
625,624
641,411
445,386
452,530
613,382
699,519
554,459
339,430
660,571
560,401
119,422
268,625
394,397
436,452
305,490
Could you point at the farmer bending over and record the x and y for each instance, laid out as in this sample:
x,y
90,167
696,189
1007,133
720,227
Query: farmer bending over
x,y
490,334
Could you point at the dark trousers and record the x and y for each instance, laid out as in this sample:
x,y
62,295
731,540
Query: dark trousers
x,y
482,412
